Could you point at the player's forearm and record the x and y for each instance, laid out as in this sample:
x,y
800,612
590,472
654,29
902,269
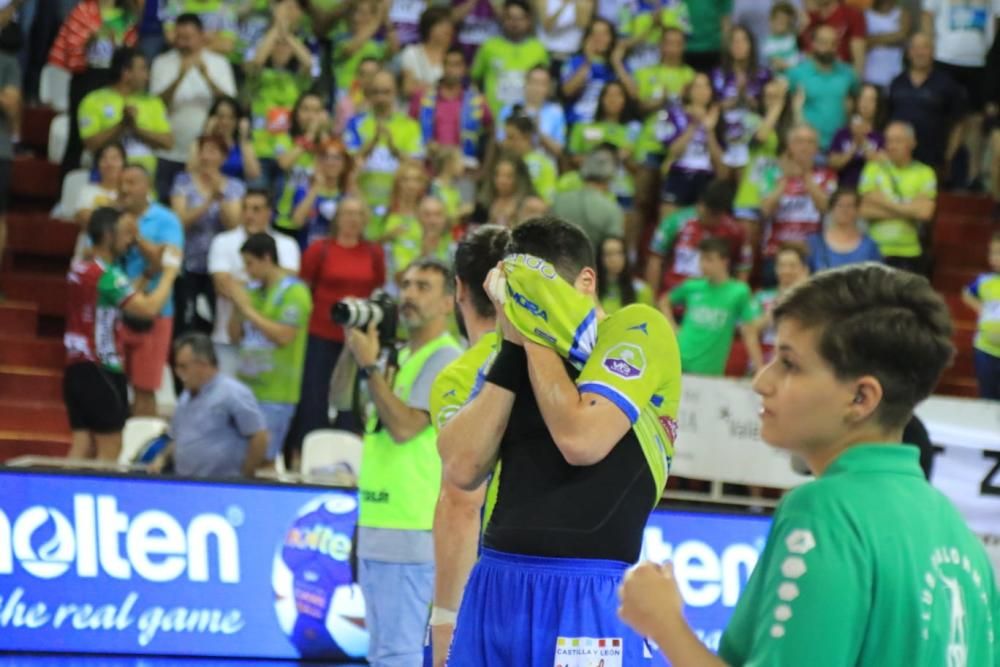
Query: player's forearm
x,y
470,442
456,538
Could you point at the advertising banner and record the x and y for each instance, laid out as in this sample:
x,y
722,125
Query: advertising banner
x,y
153,566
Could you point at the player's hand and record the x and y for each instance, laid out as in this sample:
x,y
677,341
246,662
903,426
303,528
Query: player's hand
x,y
651,603
440,642
495,287
364,345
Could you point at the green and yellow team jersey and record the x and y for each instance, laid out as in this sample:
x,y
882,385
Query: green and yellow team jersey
x,y
986,288
611,302
380,167
502,66
897,237
868,565
544,174
103,109
405,244
274,372
451,197
711,313
345,67
636,365
217,16
273,96
759,178
656,82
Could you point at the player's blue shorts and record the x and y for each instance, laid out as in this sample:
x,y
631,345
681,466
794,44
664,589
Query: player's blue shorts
x,y
531,611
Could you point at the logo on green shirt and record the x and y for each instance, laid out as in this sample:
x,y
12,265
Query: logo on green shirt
x,y
625,360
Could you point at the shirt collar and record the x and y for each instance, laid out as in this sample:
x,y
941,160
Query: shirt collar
x,y
903,459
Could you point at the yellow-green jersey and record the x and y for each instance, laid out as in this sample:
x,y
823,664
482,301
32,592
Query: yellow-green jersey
x,y
986,288
897,237
104,108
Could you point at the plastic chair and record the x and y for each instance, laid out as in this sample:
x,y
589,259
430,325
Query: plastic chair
x,y
53,88
58,138
138,431
328,452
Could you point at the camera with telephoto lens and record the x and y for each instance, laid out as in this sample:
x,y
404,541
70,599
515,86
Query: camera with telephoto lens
x,y
357,313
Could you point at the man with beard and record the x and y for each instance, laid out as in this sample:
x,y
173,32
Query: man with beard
x,y
401,470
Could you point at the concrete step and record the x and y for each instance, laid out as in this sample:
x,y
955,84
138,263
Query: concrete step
x,y
27,383
32,352
18,318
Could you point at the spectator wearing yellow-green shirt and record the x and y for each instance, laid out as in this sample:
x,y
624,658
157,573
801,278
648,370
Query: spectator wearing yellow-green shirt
x,y
218,17
656,85
897,198
370,35
124,112
520,140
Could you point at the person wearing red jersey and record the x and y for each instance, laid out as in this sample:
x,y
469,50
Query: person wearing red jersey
x,y
94,386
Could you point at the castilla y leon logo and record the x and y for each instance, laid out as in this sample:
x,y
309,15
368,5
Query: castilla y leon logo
x,y
625,360
319,606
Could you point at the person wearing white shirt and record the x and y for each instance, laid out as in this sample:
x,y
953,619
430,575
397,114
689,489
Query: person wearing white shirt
x,y
225,264
188,77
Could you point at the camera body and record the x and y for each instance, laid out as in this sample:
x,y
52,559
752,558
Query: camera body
x,y
380,308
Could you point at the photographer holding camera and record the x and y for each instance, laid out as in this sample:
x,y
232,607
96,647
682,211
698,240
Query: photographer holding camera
x,y
401,470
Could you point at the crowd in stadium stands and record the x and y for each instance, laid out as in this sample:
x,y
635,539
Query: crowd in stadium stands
x,y
302,151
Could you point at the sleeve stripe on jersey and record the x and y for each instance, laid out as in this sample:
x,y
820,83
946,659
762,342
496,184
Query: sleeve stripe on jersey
x,y
584,339
621,401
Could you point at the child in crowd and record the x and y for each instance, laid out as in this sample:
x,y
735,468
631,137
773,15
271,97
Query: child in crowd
x,y
781,48
983,296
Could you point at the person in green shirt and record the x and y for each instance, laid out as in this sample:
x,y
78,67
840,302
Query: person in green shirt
x,y
642,23
616,285
898,198
270,325
657,84
217,16
361,41
713,307
124,112
502,62
710,20
457,515
868,565
519,139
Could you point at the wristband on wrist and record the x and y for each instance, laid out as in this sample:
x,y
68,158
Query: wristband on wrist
x,y
442,616
510,368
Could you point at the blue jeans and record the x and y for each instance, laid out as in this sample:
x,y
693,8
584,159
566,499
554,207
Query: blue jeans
x,y
988,375
397,608
277,417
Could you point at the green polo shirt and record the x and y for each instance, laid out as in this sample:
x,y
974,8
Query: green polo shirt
x,y
103,109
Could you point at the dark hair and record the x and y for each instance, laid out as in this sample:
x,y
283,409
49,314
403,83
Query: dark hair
x,y
717,196
784,7
555,240
111,145
797,249
294,130
522,178
430,18
881,111
626,288
840,193
590,29
434,264
258,192
715,246
879,321
521,121
260,245
456,48
523,4
103,221
201,346
121,60
686,92
630,111
753,62
132,166
190,19
477,253
215,140
234,104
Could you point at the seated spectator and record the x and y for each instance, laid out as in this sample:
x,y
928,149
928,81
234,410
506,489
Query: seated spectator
x,y
217,429
380,139
681,142
520,140
676,241
616,285
225,265
781,48
585,75
84,47
94,386
269,325
823,82
367,37
422,64
207,203
502,63
714,305
504,190
792,268
531,207
846,24
217,17
929,99
795,208
887,26
123,112
659,84
343,265
861,140
400,230
187,78
146,342
226,121
983,296
593,206
549,117
110,160
898,196
453,114
295,150
841,242
307,212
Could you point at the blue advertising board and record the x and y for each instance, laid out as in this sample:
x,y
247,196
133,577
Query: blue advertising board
x,y
139,565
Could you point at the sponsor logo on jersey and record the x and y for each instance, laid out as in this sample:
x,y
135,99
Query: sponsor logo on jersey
x,y
625,360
